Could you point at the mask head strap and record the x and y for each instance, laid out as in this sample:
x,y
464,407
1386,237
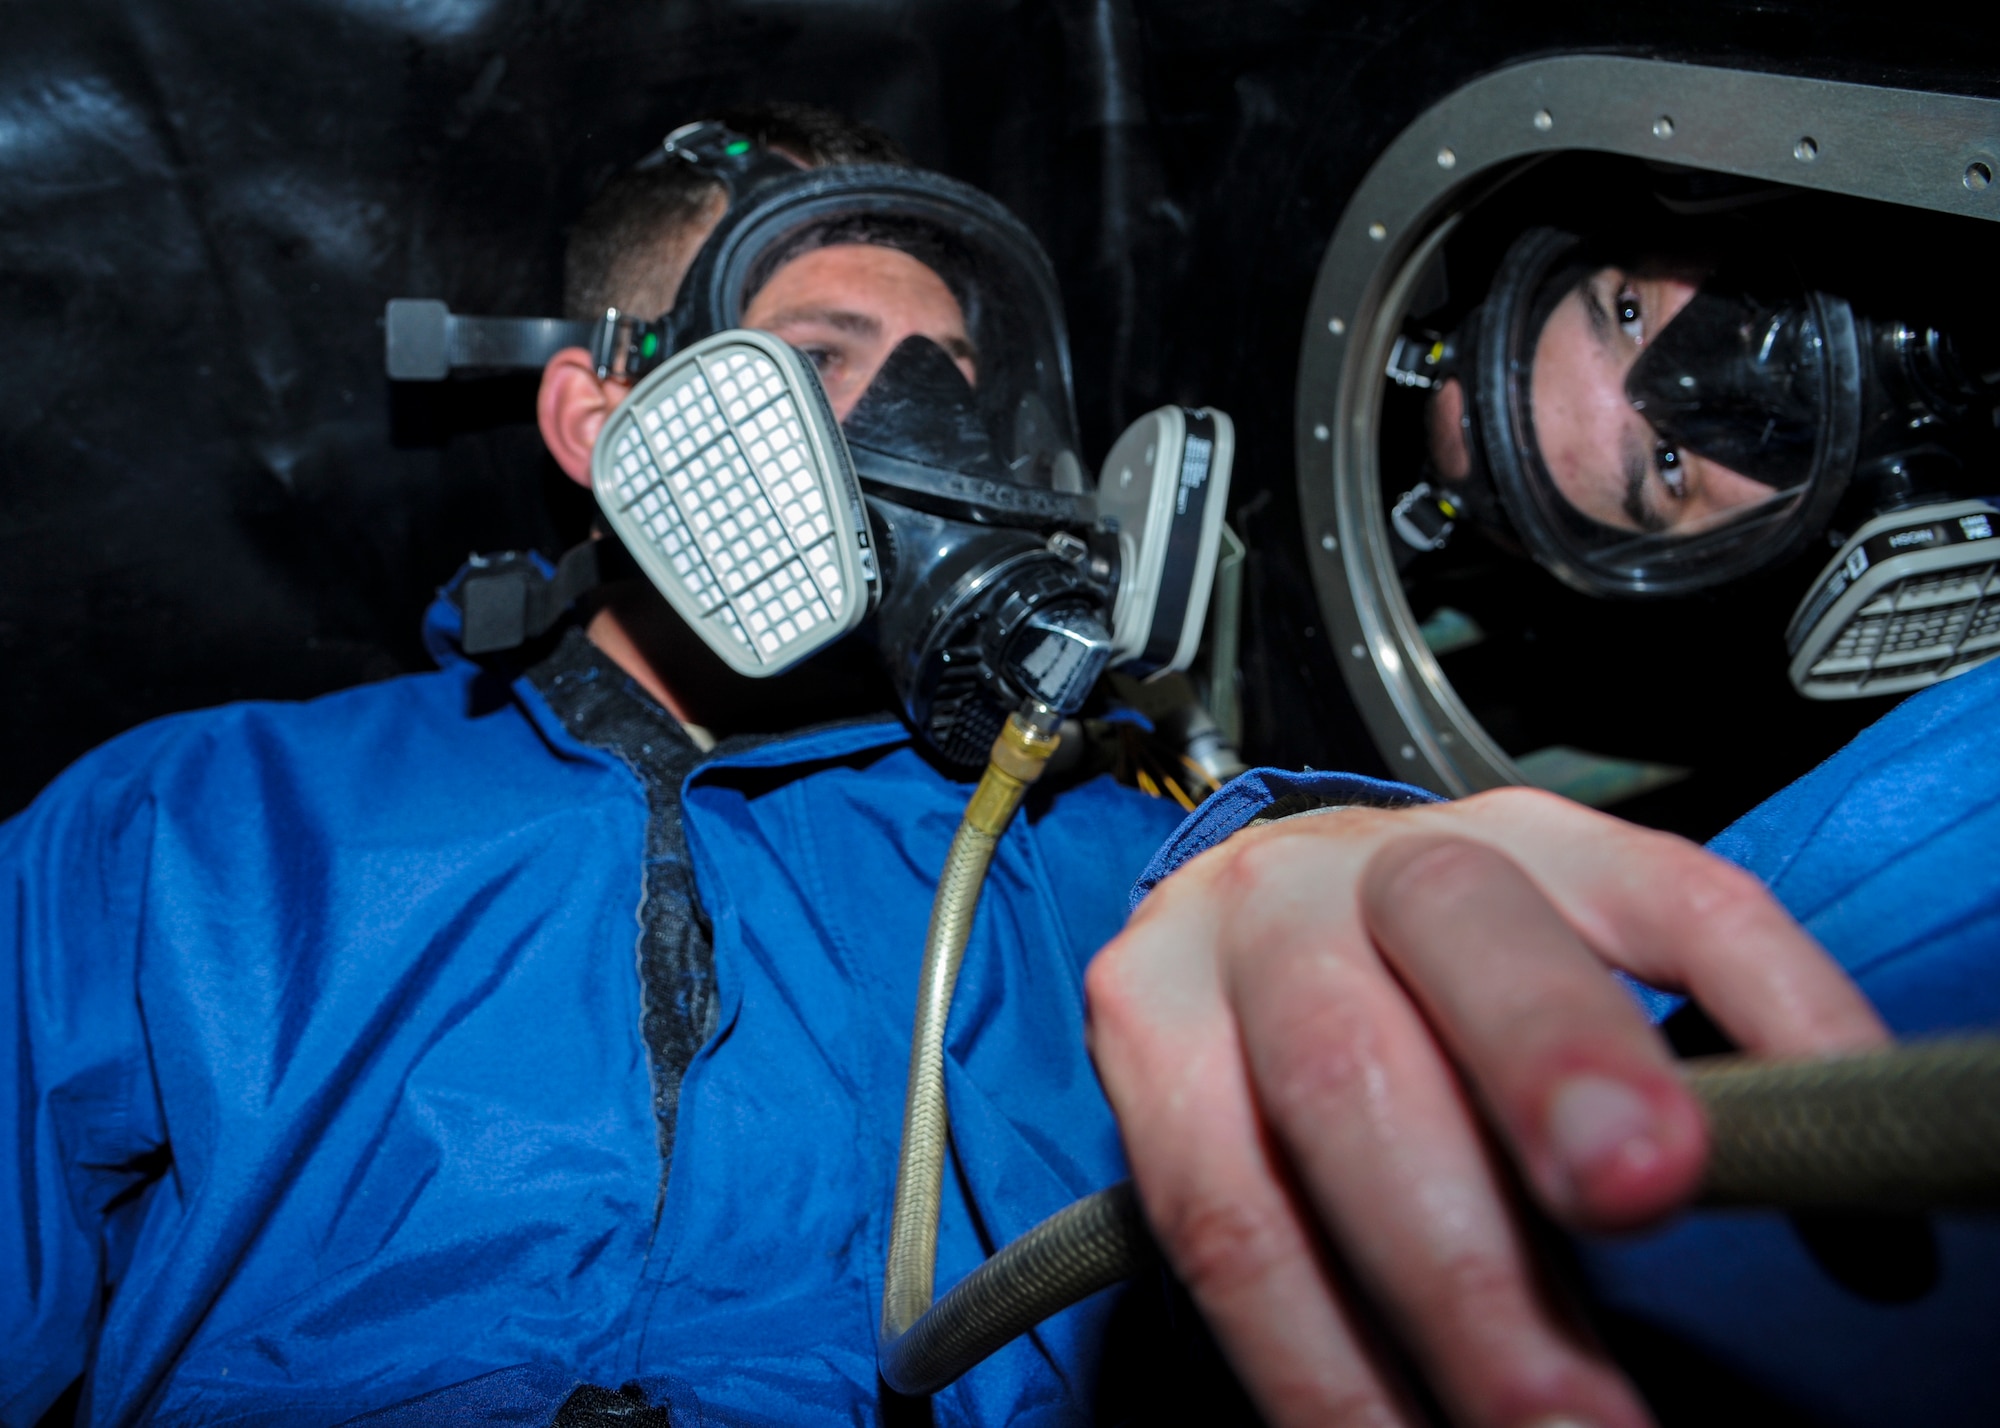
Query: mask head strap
x,y
427,342
631,347
511,598
714,150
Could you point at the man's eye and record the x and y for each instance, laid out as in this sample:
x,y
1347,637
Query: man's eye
x,y
820,357
1673,471
1629,315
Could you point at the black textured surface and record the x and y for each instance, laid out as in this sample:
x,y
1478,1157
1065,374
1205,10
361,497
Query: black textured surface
x,y
602,707
590,1406
207,489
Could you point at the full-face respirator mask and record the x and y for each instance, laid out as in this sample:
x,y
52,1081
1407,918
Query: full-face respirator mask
x,y
1649,455
947,518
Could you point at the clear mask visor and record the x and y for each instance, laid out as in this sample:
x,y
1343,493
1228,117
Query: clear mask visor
x,y
1670,425
1660,428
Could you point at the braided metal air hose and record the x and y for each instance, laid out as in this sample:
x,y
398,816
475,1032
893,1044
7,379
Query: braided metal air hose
x,y
1089,1246
1017,760
1911,1127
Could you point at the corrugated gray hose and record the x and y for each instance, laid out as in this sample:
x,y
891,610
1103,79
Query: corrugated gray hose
x,y
1913,1127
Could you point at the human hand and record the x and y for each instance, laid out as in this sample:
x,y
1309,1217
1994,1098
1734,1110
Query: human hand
x,y
1308,1031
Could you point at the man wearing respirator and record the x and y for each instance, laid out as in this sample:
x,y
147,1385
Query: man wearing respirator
x,y
338,1072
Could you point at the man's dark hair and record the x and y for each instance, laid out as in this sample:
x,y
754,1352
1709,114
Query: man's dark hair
x,y
630,234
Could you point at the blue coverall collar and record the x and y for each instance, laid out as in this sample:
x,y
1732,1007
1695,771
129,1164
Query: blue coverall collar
x,y
443,629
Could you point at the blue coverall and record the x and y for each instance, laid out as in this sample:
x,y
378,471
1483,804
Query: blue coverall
x,y
322,1088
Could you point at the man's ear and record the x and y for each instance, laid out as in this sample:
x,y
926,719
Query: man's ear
x,y
572,407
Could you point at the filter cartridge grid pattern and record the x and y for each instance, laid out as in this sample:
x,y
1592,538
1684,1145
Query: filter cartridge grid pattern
x,y
718,475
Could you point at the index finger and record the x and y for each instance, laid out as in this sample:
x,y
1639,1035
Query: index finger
x,y
1563,1061
1676,916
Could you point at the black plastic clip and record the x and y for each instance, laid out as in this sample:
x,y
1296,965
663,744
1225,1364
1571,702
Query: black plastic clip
x,y
507,601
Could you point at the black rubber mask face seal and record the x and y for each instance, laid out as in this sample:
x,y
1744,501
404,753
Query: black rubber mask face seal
x,y
1474,491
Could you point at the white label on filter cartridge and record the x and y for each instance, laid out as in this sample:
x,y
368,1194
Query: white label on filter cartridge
x,y
1194,470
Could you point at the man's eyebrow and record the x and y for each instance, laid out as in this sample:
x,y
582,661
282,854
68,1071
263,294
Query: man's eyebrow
x,y
1600,319
1638,466
862,324
840,319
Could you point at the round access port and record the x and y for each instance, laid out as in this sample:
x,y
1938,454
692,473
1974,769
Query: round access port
x,y
1605,429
